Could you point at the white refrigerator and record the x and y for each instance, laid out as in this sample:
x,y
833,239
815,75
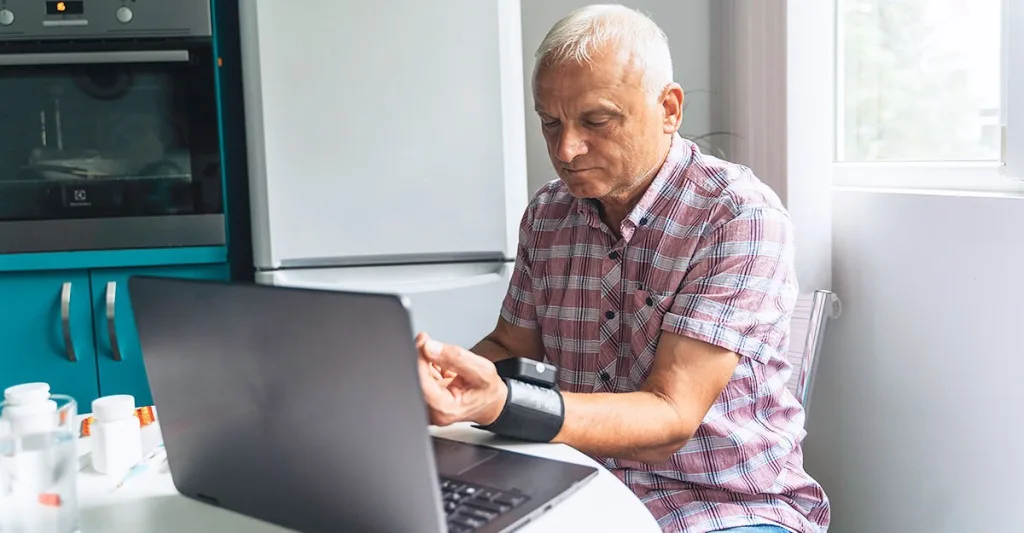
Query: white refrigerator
x,y
386,151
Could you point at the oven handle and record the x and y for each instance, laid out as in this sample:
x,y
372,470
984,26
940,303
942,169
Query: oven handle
x,y
85,58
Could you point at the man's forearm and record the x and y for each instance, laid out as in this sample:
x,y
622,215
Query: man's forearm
x,y
639,426
495,351
491,350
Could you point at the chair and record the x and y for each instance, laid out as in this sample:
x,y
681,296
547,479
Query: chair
x,y
807,330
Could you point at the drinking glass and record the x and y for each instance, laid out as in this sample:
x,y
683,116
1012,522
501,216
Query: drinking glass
x,y
39,466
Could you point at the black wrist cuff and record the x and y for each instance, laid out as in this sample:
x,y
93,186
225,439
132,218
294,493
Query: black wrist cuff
x,y
531,413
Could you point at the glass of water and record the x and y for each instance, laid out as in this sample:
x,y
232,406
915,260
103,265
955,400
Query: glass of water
x,y
39,466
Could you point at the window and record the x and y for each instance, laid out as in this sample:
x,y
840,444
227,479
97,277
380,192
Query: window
x,y
920,81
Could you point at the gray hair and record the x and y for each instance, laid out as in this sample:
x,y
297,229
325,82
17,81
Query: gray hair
x,y
582,32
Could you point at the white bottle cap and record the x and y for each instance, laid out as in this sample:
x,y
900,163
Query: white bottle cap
x,y
27,393
114,407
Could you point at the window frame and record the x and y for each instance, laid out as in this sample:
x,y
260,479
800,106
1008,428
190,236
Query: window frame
x,y
1013,74
1006,176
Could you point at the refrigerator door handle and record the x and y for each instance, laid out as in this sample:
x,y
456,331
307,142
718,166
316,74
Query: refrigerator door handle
x,y
392,260
451,284
408,279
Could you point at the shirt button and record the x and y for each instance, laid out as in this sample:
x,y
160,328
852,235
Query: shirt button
x,y
643,221
650,301
605,376
609,315
613,256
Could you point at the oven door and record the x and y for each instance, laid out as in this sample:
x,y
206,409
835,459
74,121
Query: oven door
x,y
108,148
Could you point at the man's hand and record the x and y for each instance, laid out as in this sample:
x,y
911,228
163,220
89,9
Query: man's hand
x,y
458,385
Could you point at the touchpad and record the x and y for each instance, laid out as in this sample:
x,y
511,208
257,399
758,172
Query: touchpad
x,y
454,458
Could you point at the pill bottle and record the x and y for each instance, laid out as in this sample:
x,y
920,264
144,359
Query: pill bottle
x,y
116,434
27,421
28,409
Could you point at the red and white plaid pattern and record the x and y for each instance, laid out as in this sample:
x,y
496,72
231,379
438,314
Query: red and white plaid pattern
x,y
706,253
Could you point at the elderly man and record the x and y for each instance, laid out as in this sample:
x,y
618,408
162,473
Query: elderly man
x,y
660,281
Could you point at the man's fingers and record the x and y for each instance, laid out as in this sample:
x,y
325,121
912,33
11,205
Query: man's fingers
x,y
437,370
442,405
434,390
446,356
422,339
443,373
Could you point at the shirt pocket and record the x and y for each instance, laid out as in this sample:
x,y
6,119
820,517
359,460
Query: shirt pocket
x,y
646,313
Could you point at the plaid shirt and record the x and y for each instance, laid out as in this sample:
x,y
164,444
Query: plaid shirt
x,y
706,253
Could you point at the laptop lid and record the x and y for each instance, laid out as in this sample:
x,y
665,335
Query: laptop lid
x,y
297,407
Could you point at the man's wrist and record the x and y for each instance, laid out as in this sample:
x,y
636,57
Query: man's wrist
x,y
497,404
530,413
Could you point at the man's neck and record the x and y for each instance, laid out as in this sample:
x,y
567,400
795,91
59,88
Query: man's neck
x,y
616,207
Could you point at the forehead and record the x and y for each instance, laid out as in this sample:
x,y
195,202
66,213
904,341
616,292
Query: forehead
x,y
607,77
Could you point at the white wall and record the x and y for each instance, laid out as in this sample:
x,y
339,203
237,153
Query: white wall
x,y
686,22
916,424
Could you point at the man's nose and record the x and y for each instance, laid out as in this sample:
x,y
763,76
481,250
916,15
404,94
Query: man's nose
x,y
571,144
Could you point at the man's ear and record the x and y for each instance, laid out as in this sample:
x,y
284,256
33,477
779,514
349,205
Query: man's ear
x,y
672,107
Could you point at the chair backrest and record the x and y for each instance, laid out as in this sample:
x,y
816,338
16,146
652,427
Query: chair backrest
x,y
807,330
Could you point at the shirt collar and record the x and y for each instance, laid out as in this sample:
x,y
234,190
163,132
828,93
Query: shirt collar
x,y
679,156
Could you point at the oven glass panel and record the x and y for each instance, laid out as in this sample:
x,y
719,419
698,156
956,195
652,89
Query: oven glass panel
x,y
109,140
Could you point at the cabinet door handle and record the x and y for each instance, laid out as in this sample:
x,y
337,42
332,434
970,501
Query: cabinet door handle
x,y
65,321
115,348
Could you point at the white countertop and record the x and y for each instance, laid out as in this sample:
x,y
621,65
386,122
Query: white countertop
x,y
150,503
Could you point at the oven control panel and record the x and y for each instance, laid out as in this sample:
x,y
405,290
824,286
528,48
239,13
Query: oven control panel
x,y
93,19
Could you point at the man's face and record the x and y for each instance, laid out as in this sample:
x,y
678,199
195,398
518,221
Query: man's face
x,y
603,132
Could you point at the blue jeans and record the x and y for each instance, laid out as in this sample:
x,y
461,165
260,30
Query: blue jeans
x,y
755,529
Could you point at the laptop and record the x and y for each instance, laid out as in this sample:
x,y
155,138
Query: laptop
x,y
303,408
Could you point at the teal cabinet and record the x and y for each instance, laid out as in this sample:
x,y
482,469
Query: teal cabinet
x,y
46,329
75,329
119,356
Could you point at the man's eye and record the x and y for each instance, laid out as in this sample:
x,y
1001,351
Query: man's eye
x,y
549,123
597,123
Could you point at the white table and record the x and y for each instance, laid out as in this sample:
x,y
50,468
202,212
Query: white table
x,y
150,503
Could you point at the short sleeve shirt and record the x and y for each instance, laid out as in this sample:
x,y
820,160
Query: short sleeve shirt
x,y
706,253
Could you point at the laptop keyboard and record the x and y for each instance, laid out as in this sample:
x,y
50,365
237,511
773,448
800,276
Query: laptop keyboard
x,y
469,507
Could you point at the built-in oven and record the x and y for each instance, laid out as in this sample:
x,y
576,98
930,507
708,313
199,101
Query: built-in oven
x,y
108,126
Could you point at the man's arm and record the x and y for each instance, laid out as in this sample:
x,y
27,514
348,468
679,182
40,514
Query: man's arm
x,y
507,341
653,423
734,302
648,425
